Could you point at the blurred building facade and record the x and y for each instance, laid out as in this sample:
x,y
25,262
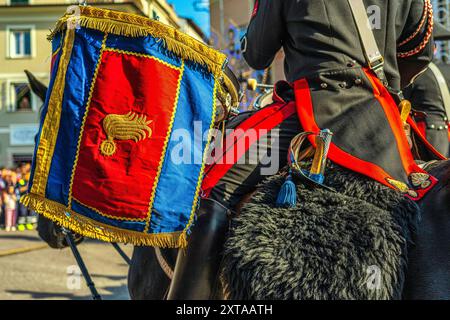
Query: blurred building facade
x,y
229,20
442,14
24,26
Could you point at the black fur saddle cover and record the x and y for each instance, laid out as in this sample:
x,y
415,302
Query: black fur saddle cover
x,y
349,244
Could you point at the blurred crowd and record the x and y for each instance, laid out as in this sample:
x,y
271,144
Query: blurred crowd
x,y
13,185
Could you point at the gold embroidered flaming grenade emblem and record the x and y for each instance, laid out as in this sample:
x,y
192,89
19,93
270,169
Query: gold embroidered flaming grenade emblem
x,y
130,126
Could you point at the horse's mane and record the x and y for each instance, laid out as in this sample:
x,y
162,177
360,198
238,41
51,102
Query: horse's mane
x,y
446,178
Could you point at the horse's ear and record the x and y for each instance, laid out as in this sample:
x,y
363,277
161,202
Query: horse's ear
x,y
37,86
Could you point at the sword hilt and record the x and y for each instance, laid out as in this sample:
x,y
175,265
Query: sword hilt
x,y
405,109
326,135
323,142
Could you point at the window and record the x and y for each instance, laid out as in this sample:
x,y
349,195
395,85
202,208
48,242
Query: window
x,y
19,159
21,98
20,43
18,2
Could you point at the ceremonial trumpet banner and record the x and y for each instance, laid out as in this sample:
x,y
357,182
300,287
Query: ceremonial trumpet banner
x,y
120,85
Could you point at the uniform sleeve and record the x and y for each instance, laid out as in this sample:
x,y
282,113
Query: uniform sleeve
x,y
425,94
264,34
415,47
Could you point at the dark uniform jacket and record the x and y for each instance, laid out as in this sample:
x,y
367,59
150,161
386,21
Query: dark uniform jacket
x,y
333,89
426,98
320,35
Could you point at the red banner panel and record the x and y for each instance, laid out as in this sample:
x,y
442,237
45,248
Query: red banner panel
x,y
124,135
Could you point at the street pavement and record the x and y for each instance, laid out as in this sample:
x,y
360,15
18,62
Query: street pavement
x,y
29,269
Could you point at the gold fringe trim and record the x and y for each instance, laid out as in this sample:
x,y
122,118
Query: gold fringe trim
x,y
132,25
166,144
89,228
202,170
50,126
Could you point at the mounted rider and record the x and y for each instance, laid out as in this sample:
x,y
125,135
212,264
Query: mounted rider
x,y
329,86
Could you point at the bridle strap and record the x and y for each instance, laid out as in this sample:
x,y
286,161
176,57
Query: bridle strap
x,y
163,263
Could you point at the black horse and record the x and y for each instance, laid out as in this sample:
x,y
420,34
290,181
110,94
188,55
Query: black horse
x,y
428,274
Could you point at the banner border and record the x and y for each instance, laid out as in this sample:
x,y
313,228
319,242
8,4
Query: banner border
x,y
50,127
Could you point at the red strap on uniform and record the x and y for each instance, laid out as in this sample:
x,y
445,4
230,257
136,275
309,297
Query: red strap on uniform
x,y
255,8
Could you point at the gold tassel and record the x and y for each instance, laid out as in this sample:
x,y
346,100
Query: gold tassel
x,y
97,230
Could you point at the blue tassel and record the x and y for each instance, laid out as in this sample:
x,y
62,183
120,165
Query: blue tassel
x,y
287,197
